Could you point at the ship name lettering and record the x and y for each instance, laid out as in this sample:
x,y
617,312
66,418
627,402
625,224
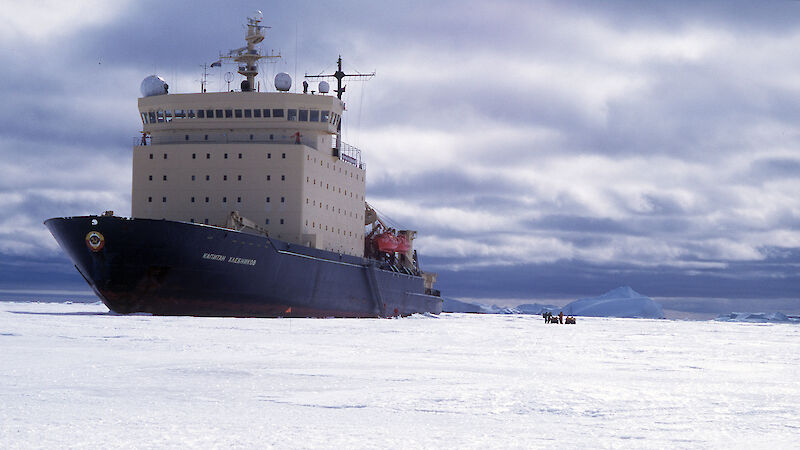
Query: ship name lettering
x,y
213,257
245,261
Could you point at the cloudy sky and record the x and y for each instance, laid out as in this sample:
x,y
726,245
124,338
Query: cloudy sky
x,y
544,150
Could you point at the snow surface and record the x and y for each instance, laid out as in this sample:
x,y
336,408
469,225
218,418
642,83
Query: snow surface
x,y
620,302
73,376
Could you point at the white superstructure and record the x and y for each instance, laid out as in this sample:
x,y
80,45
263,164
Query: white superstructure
x,y
271,157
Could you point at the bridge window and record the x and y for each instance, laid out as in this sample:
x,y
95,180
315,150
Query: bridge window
x,y
314,116
228,113
152,116
201,114
291,115
303,115
257,113
180,114
238,113
210,113
275,113
324,116
218,113
190,113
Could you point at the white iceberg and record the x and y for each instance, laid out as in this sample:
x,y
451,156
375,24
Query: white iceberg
x,y
776,317
620,302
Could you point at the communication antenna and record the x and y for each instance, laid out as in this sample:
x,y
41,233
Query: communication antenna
x,y
340,75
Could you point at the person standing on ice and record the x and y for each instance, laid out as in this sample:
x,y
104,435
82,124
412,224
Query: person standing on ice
x,y
561,317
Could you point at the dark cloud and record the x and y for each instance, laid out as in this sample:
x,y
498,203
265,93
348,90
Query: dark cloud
x,y
542,149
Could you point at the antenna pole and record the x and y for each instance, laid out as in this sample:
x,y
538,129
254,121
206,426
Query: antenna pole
x,y
340,75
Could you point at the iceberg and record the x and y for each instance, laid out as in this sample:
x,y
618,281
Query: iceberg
x,y
776,317
450,305
620,302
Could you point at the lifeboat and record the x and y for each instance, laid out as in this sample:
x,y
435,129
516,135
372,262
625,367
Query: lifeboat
x,y
388,242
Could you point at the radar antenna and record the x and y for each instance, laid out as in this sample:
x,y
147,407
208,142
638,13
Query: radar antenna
x,y
339,75
248,56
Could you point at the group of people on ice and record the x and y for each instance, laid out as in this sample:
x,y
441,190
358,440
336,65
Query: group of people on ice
x,y
550,318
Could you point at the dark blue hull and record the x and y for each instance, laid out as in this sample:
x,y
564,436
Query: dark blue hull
x,y
176,268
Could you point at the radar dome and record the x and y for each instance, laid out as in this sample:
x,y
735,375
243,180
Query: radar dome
x,y
324,87
283,82
153,85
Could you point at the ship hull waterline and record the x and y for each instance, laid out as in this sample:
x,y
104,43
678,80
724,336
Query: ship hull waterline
x,y
167,267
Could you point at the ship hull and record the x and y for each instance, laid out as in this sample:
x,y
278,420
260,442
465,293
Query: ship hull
x,y
177,268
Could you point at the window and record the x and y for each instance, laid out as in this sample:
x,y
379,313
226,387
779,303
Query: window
x,y
206,221
266,113
192,199
248,113
168,115
191,220
208,155
206,137
314,116
267,222
324,116
283,177
151,117
291,114
237,113
267,199
190,113
194,155
228,113
238,199
160,115
225,156
224,178
268,177
240,155
150,199
180,114
239,178
303,115
224,199
201,114
165,156
283,199
150,177
257,113
281,221
208,177
283,155
218,113
271,137
275,113
165,178
251,137
269,156
144,117
206,202
163,199
192,177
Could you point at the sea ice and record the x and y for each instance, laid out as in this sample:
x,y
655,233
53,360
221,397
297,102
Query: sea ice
x,y
75,376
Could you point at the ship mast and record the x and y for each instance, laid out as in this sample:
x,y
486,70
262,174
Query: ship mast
x,y
340,75
248,56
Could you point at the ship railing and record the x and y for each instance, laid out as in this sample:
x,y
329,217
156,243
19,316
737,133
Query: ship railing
x,y
351,155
